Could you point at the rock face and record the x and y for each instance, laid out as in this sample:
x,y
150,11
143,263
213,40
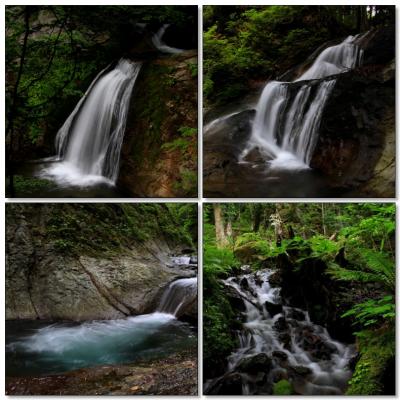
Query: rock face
x,y
356,140
44,283
159,152
355,151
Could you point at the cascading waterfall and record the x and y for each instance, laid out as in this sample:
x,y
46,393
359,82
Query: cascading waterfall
x,y
179,295
89,143
66,346
160,45
285,129
299,350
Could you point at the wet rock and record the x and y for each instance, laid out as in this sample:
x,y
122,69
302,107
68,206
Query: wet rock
x,y
254,364
255,156
300,370
230,384
173,375
45,283
275,279
147,169
193,260
273,308
295,314
286,340
236,301
244,284
315,345
281,324
352,138
258,280
245,269
280,355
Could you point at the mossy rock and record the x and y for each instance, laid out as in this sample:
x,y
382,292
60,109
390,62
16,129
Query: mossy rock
x,y
282,388
377,352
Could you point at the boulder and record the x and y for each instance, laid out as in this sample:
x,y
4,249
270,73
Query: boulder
x,y
254,364
230,384
295,314
236,301
273,308
281,324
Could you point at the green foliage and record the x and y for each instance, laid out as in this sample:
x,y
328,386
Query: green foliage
x,y
64,246
282,388
258,42
255,241
377,350
30,186
356,241
373,312
372,267
187,131
218,262
218,315
187,183
193,68
102,228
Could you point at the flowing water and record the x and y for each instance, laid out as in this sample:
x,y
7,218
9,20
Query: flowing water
x,y
40,348
160,45
89,143
179,295
285,128
299,350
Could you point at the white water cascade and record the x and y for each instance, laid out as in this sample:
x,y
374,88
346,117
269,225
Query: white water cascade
x,y
160,45
67,346
89,143
179,295
299,350
285,129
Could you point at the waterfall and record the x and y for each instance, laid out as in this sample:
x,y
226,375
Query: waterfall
x,y
160,45
298,350
89,143
179,295
285,129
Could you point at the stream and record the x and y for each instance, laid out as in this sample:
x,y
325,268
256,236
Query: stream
x,y
47,347
281,342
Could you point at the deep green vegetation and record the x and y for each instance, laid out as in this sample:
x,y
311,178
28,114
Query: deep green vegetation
x,y
111,228
53,53
63,48
348,247
243,44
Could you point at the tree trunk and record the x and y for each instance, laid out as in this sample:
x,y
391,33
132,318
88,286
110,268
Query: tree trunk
x,y
221,239
257,217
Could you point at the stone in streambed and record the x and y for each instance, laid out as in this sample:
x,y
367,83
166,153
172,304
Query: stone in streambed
x,y
272,308
254,364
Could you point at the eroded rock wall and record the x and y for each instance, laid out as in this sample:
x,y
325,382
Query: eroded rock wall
x,y
159,153
43,281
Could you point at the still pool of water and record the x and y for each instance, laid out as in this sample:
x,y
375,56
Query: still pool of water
x,y
44,348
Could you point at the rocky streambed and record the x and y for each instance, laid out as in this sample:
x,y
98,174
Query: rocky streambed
x,y
172,375
279,345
